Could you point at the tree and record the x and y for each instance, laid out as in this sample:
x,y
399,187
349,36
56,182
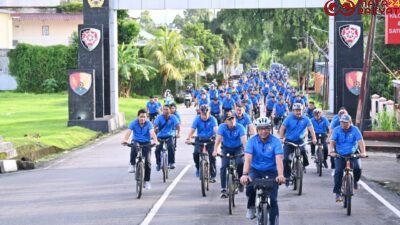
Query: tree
x,y
147,22
173,59
301,57
178,22
128,30
132,68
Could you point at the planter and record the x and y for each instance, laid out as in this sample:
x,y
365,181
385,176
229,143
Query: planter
x,y
382,135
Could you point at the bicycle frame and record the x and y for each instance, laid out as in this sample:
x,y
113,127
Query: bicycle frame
x,y
297,166
164,158
263,188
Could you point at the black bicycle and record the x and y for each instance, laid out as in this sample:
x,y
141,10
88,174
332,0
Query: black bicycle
x,y
232,179
319,155
263,188
204,164
139,174
348,181
278,122
164,158
297,167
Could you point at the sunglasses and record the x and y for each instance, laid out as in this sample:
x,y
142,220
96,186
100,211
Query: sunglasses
x,y
230,118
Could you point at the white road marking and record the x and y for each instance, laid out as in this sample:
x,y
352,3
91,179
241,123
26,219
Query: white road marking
x,y
162,199
380,198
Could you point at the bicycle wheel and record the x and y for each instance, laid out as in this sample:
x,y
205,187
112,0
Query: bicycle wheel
x,y
165,166
207,174
231,191
320,160
265,214
139,179
299,176
348,195
294,172
202,178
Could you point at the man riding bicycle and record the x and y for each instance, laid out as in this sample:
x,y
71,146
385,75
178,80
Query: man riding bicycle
x,y
280,110
293,130
244,119
233,138
216,109
206,126
166,124
263,157
143,131
346,140
153,108
321,125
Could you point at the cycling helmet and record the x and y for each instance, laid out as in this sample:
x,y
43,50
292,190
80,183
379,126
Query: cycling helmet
x,y
167,90
297,106
316,111
204,108
263,122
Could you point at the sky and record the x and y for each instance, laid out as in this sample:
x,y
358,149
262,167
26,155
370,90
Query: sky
x,y
159,16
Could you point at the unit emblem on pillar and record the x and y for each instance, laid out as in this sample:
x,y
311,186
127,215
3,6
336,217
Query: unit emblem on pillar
x,y
96,3
90,38
350,34
353,81
80,82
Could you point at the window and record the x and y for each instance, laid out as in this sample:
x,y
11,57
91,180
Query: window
x,y
45,30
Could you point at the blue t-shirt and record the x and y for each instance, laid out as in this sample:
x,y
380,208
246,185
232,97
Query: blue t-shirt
x,y
205,128
231,137
296,127
213,93
321,126
203,101
169,128
228,103
264,153
245,120
254,99
153,107
280,109
215,108
270,104
310,113
346,142
141,133
178,116
335,122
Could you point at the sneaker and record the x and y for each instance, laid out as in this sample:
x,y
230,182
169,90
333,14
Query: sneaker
x,y
356,187
172,166
333,172
325,164
147,185
212,180
131,169
197,173
158,167
251,213
339,197
224,194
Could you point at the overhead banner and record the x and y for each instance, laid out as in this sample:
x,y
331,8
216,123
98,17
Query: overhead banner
x,y
392,27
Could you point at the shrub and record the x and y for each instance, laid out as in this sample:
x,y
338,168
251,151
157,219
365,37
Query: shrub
x,y
385,122
50,86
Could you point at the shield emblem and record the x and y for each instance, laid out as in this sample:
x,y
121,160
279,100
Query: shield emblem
x,y
90,38
353,81
80,82
96,3
350,34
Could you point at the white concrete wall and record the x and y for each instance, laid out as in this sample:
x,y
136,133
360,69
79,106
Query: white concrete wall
x,y
29,3
5,31
215,4
60,31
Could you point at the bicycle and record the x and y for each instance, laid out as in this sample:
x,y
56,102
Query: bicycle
x,y
139,174
347,181
263,188
297,167
279,121
164,158
319,160
232,179
204,165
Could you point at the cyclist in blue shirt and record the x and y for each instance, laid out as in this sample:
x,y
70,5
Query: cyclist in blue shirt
x,y
279,112
293,130
228,104
175,112
213,92
346,140
206,126
233,137
143,132
244,119
270,105
335,122
321,125
310,110
263,157
153,108
248,104
167,125
203,98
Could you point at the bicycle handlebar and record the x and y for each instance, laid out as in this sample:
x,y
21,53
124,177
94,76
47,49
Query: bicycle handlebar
x,y
230,156
297,145
144,145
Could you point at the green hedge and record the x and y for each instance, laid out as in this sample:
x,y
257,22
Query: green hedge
x,y
33,66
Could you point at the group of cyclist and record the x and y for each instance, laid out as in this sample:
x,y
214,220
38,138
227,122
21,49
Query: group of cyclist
x,y
229,119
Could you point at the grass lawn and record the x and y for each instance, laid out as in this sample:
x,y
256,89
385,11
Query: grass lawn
x,y
24,117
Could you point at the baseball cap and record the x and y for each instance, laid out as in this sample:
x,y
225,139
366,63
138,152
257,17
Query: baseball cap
x,y
345,118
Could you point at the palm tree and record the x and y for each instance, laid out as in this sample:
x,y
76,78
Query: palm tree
x,y
132,68
172,57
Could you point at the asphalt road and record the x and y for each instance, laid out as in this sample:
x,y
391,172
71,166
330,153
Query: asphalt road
x,y
91,186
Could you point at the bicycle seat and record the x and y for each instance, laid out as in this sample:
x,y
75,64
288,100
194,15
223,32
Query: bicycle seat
x,y
163,139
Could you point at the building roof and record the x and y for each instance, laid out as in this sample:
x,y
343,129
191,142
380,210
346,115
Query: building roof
x,y
6,11
48,16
